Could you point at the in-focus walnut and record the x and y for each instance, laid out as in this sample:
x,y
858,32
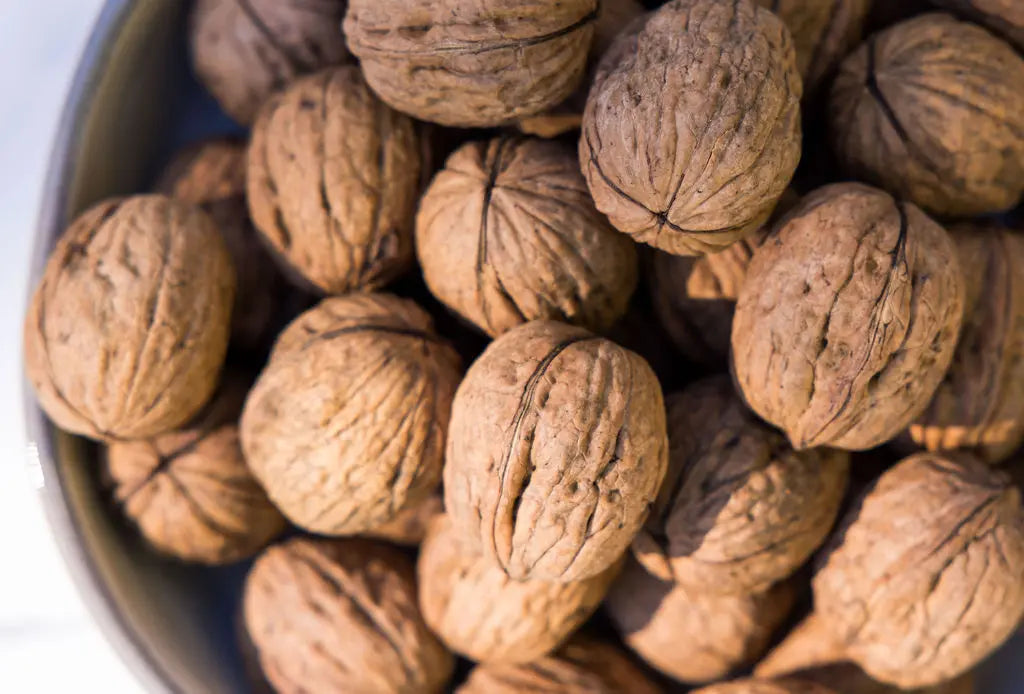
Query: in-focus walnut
x,y
341,616
932,110
850,679
691,137
244,50
740,509
1005,17
126,333
848,318
757,686
507,233
345,427
409,526
333,176
471,63
556,451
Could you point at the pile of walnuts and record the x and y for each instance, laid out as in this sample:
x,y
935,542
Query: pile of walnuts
x,y
406,365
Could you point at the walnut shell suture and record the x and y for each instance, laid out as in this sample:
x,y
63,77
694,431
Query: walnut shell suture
x,y
1004,17
848,318
341,616
507,233
556,451
690,139
932,110
471,63
333,179
758,686
244,50
127,330
306,432
739,509
409,526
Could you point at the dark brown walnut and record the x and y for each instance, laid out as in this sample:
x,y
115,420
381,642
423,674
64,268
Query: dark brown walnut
x,y
1005,17
345,427
756,686
244,50
471,63
692,128
850,679
848,318
333,176
556,451
126,333
341,616
931,109
507,233
740,509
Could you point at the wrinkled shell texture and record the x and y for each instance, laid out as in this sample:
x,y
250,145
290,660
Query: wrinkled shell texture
x,y
243,50
333,176
926,578
307,429
691,138
126,333
507,233
1005,17
848,318
932,110
784,686
341,616
850,679
471,63
409,526
556,451
740,509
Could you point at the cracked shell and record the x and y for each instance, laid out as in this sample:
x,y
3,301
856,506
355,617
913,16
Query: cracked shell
x,y
848,318
1005,17
755,686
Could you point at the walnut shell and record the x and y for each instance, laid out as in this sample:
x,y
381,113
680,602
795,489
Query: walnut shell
x,y
690,139
244,50
740,509
556,451
409,526
1005,17
341,616
931,109
333,177
755,686
307,431
848,318
507,233
850,679
126,333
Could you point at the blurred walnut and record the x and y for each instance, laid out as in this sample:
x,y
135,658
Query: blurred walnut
x,y
507,233
754,686
847,678
409,526
848,318
932,110
556,451
126,333
333,176
341,616
1005,17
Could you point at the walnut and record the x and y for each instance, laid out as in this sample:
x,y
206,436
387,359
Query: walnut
x,y
341,616
345,427
847,319
740,509
932,110
507,233
244,50
126,332
690,139
333,177
1005,17
850,679
480,612
556,451
755,686
471,63
409,526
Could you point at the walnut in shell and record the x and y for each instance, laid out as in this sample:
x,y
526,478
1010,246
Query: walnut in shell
x,y
409,526
507,233
345,427
757,686
847,319
341,616
692,128
1005,17
932,110
556,451
126,333
850,679
333,176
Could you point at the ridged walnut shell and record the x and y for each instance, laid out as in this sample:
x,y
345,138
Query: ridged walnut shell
x,y
692,134
754,686
556,451
341,616
507,233
409,526
848,318
1005,17
345,427
126,333
333,178
932,110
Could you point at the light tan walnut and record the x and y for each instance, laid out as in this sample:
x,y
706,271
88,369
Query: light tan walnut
x,y
756,686
409,526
